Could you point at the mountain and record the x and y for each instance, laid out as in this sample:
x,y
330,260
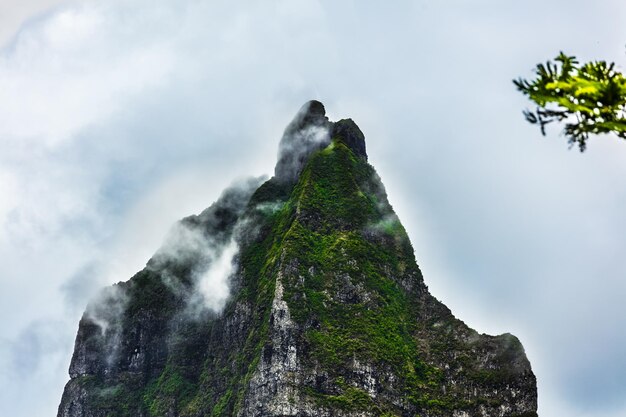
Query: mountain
x,y
324,313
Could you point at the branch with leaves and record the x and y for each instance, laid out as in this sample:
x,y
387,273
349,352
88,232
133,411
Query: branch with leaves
x,y
590,99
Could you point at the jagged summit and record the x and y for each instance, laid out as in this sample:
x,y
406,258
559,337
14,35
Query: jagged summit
x,y
311,112
296,296
310,131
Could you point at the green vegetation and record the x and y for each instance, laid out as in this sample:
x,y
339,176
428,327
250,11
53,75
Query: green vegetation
x,y
170,390
147,292
351,398
117,400
590,98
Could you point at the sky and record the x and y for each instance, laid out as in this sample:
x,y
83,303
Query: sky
x,y
118,118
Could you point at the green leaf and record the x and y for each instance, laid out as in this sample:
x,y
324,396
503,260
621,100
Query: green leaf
x,y
591,97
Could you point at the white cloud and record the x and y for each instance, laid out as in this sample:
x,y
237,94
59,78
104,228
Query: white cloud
x,y
68,71
8,187
213,283
14,14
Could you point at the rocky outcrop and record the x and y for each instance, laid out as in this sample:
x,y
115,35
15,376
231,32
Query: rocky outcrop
x,y
308,132
328,312
349,133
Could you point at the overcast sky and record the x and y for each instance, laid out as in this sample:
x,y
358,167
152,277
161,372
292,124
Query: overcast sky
x,y
117,118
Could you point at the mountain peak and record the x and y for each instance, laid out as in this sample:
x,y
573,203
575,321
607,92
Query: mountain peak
x,y
309,131
312,109
299,296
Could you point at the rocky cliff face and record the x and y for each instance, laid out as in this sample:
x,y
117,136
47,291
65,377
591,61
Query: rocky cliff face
x,y
327,313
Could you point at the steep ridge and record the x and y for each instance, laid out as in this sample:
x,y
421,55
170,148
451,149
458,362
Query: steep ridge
x,y
328,313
